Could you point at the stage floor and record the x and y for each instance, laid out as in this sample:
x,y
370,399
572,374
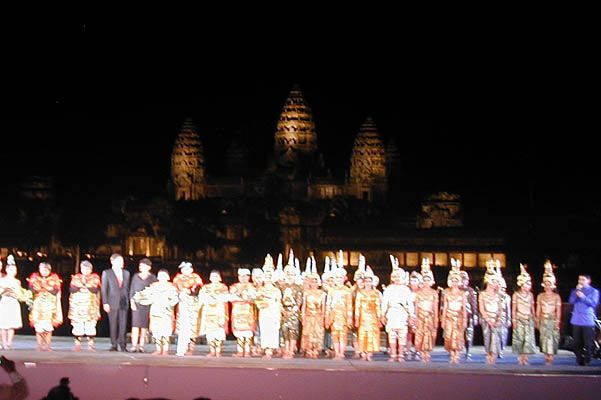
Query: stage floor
x,y
257,378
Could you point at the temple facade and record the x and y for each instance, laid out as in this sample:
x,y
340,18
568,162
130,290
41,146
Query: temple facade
x,y
298,176
298,165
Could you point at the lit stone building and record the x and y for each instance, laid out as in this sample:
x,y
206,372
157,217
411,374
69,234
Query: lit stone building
x,y
298,176
298,166
188,164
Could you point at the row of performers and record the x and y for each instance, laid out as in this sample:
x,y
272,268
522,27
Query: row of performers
x,y
285,304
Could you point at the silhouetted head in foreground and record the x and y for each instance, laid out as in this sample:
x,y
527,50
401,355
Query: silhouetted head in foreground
x,y
61,392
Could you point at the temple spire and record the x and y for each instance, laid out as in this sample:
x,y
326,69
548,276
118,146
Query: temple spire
x,y
368,159
295,136
188,164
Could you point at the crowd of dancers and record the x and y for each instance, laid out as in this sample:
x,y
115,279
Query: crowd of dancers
x,y
280,310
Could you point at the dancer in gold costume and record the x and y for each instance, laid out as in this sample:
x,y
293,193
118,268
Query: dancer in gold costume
x,y
523,341
313,315
368,317
454,313
426,310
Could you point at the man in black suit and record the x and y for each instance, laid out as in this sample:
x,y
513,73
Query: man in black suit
x,y
115,300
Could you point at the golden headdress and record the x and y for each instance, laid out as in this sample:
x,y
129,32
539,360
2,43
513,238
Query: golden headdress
x,y
523,277
307,270
327,272
338,269
455,272
268,264
313,274
360,272
396,270
491,274
548,275
426,271
501,279
290,265
278,274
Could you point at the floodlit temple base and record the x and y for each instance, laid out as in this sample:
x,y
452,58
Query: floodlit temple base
x,y
115,375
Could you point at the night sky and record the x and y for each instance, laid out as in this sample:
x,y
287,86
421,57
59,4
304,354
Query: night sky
x,y
98,107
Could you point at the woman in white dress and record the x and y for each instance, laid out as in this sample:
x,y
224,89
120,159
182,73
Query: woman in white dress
x,y
10,309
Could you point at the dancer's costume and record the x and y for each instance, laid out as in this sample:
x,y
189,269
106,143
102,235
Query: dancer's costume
x,y
292,299
368,313
12,293
397,305
269,303
454,313
84,306
214,314
313,316
549,314
491,310
426,306
162,298
242,296
523,340
46,312
188,309
472,315
506,313
339,309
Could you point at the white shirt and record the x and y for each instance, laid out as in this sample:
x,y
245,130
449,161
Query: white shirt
x,y
119,273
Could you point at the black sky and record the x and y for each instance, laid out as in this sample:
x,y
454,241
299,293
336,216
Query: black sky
x,y
99,107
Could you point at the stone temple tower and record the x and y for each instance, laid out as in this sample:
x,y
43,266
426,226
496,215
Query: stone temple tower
x,y
295,136
368,163
188,164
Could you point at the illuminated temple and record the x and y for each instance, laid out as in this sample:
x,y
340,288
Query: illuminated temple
x,y
295,202
298,176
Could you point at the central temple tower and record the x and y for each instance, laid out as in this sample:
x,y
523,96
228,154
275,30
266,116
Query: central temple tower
x,y
188,164
295,136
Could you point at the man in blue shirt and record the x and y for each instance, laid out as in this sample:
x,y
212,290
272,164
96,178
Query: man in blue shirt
x,y
585,299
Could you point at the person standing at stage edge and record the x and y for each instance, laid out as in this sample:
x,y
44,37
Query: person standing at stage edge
x,y
115,300
585,299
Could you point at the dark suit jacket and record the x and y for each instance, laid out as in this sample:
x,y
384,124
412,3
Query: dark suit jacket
x,y
113,295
